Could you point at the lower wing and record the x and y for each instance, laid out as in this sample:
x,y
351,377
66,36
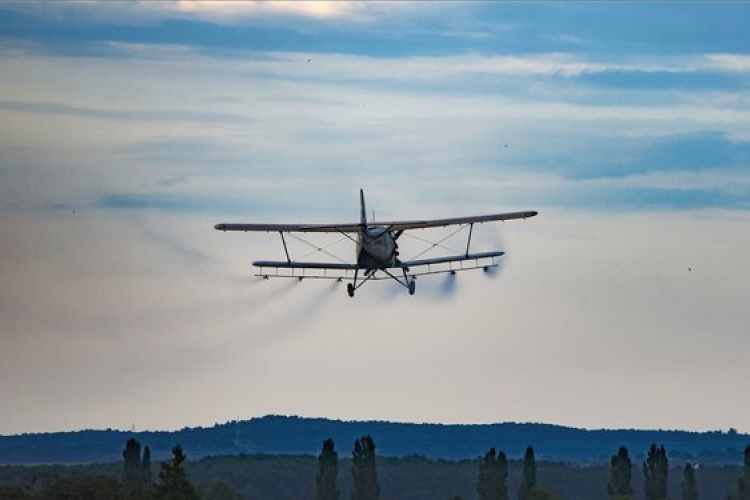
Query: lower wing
x,y
450,259
333,270
297,269
452,263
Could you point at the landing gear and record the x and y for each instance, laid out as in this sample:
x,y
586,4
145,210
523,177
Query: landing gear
x,y
350,287
409,282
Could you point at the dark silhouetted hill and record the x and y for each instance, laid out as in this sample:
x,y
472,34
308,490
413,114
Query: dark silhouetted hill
x,y
304,436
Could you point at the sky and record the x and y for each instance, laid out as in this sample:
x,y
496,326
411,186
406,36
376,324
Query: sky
x,y
128,129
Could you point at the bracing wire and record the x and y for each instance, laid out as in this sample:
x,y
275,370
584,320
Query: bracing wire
x,y
437,244
317,249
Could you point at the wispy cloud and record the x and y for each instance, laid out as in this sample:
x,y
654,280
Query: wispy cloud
x,y
333,65
232,12
225,12
729,62
60,109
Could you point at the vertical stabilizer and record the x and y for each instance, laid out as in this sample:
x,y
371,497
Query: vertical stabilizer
x,y
363,210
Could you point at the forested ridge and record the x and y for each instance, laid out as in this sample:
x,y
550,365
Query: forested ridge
x,y
360,474
302,436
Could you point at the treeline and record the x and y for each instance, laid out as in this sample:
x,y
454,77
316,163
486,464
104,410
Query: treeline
x,y
302,436
363,475
135,482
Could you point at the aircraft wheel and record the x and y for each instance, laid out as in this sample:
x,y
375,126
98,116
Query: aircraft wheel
x,y
412,287
350,289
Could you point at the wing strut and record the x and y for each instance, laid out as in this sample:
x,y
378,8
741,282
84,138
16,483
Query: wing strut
x,y
468,241
286,251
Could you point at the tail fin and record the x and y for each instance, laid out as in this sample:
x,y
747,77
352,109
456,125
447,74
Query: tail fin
x,y
363,210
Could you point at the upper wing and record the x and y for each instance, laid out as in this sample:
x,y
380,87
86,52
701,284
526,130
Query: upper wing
x,y
394,225
290,228
424,224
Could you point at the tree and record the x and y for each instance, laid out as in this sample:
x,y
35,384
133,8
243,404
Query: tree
x,y
133,472
146,465
655,471
744,480
529,475
620,475
137,470
328,467
689,486
174,483
492,483
364,471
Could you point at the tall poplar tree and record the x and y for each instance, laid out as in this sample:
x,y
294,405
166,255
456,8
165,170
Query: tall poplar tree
x,y
528,482
328,467
689,486
146,466
133,471
620,474
364,470
655,471
137,470
744,480
492,483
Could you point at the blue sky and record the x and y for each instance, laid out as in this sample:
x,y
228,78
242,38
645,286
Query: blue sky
x,y
128,129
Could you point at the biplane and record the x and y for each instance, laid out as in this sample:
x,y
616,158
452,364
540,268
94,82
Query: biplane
x,y
377,250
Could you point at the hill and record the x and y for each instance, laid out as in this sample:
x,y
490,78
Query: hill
x,y
304,436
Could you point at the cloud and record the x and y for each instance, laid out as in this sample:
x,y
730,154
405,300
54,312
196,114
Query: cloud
x,y
599,156
472,63
214,11
665,191
59,109
275,129
730,62
181,203
387,28
231,11
270,126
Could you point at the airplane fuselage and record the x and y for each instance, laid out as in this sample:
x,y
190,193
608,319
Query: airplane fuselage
x,y
376,248
376,245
